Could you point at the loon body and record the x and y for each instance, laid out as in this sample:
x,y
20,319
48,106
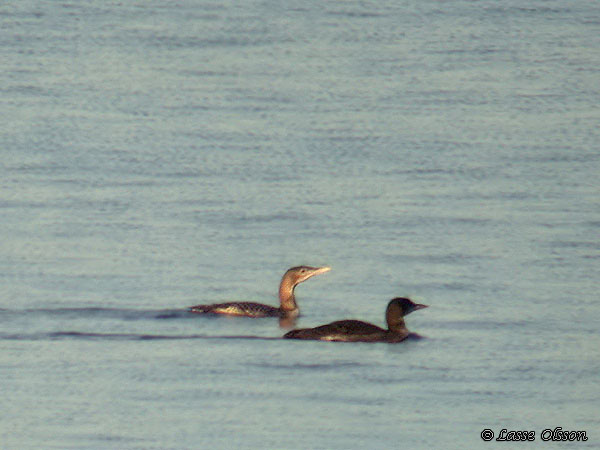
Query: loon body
x,y
358,331
288,307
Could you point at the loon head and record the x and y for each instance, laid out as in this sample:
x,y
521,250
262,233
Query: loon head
x,y
290,280
398,308
297,275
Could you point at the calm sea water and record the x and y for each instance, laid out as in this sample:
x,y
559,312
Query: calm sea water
x,y
157,155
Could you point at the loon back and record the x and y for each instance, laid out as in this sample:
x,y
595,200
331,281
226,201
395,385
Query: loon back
x,y
347,331
248,309
340,327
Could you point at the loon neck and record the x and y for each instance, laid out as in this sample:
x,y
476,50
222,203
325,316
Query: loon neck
x,y
396,325
286,295
394,318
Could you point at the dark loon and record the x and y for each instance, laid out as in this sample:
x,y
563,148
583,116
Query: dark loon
x,y
288,307
358,331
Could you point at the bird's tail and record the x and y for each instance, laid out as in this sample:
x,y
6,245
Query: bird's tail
x,y
200,309
296,334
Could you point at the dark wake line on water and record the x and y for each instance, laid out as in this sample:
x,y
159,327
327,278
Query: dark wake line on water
x,y
79,335
119,313
59,335
122,314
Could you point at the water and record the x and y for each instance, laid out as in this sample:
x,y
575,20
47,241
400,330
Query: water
x,y
157,155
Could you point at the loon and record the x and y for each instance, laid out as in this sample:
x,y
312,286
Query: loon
x,y
358,331
288,308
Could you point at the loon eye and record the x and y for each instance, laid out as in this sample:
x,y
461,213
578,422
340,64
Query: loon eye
x,y
302,270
